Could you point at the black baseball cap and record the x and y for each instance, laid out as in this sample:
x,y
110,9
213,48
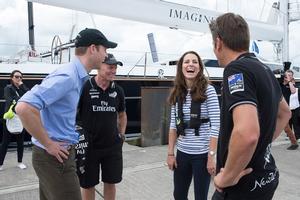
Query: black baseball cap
x,y
91,36
111,60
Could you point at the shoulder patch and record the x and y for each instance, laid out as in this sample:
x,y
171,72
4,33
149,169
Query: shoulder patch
x,y
236,83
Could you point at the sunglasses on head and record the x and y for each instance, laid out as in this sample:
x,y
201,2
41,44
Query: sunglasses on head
x,y
16,76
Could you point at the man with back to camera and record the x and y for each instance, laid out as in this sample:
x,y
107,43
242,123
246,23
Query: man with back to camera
x,y
290,91
101,114
48,113
245,167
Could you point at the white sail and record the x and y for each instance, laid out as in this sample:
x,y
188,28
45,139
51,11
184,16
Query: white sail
x,y
165,14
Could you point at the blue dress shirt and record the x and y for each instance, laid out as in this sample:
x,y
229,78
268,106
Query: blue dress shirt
x,y
57,98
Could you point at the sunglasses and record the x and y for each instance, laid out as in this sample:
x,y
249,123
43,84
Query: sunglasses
x,y
16,76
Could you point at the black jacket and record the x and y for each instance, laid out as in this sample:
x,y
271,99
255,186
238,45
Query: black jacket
x,y
11,92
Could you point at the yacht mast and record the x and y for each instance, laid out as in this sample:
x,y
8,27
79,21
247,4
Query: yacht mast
x,y
284,7
31,26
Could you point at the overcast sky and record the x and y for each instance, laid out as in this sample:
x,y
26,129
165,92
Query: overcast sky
x,y
131,36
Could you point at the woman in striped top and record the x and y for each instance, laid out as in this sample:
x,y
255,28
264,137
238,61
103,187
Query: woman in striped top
x,y
195,156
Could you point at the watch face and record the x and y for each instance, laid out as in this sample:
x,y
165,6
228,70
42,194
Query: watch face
x,y
212,153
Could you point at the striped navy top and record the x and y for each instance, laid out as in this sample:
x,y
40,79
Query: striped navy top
x,y
190,143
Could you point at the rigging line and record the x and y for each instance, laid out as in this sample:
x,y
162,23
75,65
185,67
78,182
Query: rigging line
x,y
15,44
262,10
12,44
93,20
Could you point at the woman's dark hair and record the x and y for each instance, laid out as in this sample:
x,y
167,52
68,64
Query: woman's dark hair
x,y
13,73
180,88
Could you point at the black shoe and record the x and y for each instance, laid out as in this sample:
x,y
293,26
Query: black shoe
x,y
293,147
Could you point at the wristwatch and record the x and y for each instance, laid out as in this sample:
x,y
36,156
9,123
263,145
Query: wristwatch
x,y
212,153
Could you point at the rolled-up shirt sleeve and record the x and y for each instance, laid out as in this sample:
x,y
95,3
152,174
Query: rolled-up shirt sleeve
x,y
49,91
213,111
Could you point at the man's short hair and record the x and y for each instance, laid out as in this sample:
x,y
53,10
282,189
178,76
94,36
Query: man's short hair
x,y
80,51
233,30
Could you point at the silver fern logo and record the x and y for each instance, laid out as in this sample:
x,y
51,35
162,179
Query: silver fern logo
x,y
113,95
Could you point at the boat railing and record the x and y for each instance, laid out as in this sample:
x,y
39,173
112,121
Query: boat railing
x,y
138,65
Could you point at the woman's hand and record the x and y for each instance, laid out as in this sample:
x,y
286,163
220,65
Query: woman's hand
x,y
211,165
19,83
171,161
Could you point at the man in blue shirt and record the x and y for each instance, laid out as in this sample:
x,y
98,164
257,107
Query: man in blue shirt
x,y
48,113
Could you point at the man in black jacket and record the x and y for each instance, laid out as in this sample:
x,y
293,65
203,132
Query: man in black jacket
x,y
101,113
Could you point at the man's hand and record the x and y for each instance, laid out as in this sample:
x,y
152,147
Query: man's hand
x,y
122,136
58,150
221,182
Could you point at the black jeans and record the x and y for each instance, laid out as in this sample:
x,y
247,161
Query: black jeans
x,y
189,166
6,140
296,122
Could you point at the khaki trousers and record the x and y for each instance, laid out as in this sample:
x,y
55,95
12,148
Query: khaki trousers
x,y
57,181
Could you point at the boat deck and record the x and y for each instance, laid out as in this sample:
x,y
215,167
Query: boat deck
x,y
145,175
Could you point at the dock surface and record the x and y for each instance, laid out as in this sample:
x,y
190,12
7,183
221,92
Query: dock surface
x,y
145,175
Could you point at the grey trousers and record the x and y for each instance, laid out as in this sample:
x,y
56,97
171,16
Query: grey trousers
x,y
57,181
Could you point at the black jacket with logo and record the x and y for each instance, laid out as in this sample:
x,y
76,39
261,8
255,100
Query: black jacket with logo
x,y
98,113
247,81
